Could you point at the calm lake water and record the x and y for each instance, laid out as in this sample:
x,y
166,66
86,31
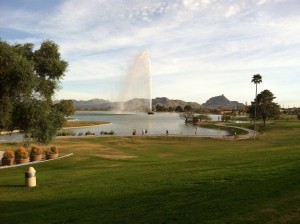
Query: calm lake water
x,y
156,124
123,124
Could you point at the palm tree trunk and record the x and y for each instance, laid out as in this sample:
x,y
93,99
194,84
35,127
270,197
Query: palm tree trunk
x,y
255,111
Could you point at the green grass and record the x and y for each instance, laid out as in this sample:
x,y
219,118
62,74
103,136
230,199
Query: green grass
x,y
161,180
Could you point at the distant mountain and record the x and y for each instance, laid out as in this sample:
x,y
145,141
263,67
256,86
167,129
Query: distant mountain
x,y
164,101
141,104
221,102
136,104
92,104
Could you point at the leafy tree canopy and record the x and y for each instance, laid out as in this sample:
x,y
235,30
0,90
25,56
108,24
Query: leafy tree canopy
x,y
187,108
178,109
266,108
28,81
66,107
256,79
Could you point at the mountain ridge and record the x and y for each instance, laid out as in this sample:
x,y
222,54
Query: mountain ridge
x,y
141,104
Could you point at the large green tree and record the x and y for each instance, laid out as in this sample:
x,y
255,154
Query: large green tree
x,y
265,107
28,81
66,107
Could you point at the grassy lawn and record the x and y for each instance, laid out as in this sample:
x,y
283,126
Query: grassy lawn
x,y
161,180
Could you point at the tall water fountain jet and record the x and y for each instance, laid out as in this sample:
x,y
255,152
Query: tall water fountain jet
x,y
139,82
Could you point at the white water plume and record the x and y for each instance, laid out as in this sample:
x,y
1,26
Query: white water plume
x,y
138,81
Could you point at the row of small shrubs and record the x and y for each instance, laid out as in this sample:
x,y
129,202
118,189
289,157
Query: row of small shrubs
x,y
71,133
101,133
90,133
21,155
65,133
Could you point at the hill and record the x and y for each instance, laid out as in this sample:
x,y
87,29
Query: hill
x,y
164,101
141,104
221,101
137,104
92,104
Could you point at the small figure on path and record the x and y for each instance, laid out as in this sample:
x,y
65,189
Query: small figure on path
x,y
167,132
133,132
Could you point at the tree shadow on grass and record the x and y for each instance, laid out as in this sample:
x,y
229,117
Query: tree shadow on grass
x,y
12,185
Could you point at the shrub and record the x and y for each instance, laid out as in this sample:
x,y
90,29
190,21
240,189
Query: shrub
x,y
89,133
226,117
65,133
21,153
195,119
107,133
204,117
9,154
298,116
111,133
52,150
36,150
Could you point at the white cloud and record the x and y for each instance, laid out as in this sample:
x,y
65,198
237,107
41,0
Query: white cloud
x,y
232,10
205,40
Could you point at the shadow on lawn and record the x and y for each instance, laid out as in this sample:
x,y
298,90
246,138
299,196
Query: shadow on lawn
x,y
12,185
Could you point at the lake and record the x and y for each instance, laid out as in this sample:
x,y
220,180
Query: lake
x,y
156,124
124,123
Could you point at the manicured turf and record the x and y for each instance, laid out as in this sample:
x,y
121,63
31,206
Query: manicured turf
x,y
161,180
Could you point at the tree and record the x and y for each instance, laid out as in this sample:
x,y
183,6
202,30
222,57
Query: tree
x,y
160,108
265,107
66,107
171,109
187,116
226,117
178,109
187,108
16,80
50,69
204,117
256,79
28,81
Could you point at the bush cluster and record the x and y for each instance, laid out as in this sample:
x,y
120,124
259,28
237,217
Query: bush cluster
x,y
107,133
21,153
52,150
65,133
36,150
9,154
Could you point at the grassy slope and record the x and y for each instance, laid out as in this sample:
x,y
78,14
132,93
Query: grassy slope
x,y
162,180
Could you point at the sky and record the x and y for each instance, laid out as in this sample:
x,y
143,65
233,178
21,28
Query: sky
x,y
199,48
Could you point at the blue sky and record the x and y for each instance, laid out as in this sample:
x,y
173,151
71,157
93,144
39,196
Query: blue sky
x,y
199,48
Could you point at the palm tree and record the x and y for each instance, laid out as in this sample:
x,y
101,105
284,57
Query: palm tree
x,y
256,79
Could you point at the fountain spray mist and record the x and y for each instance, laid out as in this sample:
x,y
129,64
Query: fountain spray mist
x,y
139,81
